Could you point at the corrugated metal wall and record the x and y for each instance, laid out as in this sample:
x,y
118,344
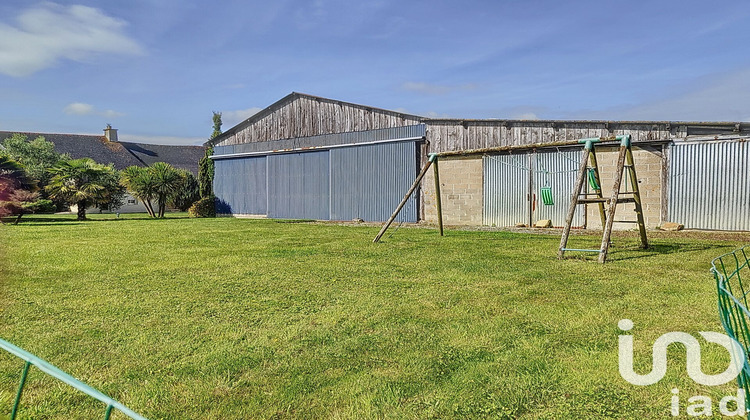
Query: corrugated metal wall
x,y
240,185
506,189
298,186
368,182
558,170
343,183
709,185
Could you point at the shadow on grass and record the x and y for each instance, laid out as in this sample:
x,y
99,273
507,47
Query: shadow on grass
x,y
630,253
53,221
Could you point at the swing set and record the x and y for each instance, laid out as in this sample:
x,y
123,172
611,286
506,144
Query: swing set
x,y
588,170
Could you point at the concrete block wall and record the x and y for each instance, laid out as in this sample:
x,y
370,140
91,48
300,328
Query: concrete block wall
x,y
648,165
461,184
461,180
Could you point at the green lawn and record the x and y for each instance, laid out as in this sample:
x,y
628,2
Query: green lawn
x,y
235,318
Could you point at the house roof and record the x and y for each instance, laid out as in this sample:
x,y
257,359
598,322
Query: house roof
x,y
120,154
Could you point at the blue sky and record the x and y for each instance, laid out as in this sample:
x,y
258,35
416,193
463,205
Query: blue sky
x,y
157,69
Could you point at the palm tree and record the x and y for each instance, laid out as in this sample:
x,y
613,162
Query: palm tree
x,y
80,181
167,182
140,182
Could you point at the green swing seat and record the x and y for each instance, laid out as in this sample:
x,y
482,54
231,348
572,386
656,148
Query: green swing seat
x,y
546,193
592,180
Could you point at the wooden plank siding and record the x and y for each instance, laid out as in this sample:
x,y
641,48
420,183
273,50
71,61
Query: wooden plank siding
x,y
456,135
299,116
306,116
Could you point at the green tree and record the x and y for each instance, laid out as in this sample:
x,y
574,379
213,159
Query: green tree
x,y
206,164
114,197
37,155
160,182
188,192
82,182
140,182
217,125
206,174
167,181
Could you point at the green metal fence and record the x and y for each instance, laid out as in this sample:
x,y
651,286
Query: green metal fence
x,y
732,274
55,372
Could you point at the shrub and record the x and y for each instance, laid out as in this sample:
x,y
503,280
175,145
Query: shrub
x,y
205,207
187,194
44,206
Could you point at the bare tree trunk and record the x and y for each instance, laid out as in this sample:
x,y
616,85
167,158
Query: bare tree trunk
x,y
149,208
18,219
82,210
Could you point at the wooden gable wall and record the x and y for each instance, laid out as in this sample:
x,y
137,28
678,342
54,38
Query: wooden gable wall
x,y
305,116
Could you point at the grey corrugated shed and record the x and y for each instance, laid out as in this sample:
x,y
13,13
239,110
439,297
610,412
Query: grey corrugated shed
x,y
709,185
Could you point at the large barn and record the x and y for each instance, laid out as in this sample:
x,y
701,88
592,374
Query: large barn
x,y
307,157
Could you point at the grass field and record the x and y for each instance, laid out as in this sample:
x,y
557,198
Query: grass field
x,y
234,318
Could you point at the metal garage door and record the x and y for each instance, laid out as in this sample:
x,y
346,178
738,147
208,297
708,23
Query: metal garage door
x,y
368,182
240,185
506,189
709,185
298,186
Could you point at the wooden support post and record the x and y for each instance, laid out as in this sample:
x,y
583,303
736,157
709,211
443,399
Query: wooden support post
x,y
637,198
598,192
574,199
405,199
436,173
604,249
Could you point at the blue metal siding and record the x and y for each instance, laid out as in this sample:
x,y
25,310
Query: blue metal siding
x,y
298,186
368,182
240,185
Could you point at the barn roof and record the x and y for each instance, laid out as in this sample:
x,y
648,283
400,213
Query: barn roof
x,y
119,153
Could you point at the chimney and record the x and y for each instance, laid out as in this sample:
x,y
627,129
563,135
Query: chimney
x,y
110,133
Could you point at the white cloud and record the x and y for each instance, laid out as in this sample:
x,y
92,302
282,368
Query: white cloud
x,y
525,116
232,118
47,33
433,89
79,108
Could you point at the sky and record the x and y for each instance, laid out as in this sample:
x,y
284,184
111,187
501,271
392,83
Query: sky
x,y
156,70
